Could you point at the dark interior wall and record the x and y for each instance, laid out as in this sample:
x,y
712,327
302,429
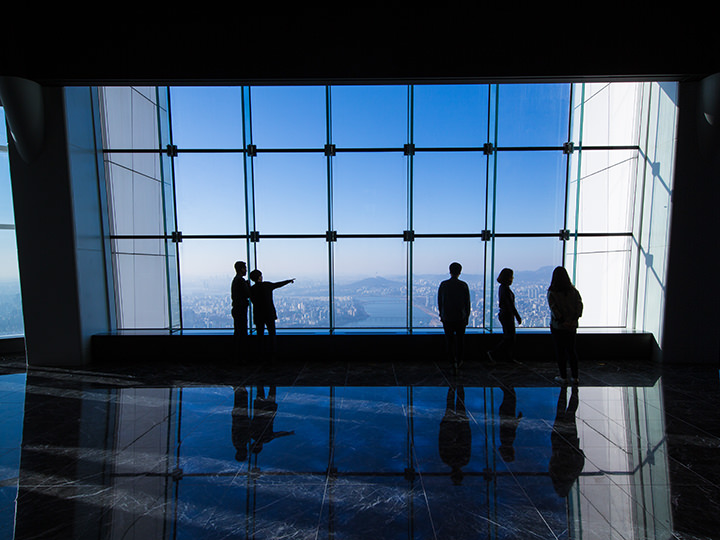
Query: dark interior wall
x,y
60,239
692,318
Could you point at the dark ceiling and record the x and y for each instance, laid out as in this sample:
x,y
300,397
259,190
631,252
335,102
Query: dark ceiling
x,y
242,46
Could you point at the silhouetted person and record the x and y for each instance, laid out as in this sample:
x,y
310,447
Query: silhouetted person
x,y
241,423
508,424
455,439
454,308
566,308
264,314
567,459
507,316
261,425
240,295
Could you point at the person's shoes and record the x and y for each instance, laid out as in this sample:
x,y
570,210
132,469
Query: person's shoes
x,y
491,360
560,380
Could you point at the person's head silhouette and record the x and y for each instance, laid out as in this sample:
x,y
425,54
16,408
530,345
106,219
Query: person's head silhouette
x,y
240,268
455,269
256,276
505,277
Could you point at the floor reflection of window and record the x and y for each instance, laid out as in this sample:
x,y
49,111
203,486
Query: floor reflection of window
x,y
348,458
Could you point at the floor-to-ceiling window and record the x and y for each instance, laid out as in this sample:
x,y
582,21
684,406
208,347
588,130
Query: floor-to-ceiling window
x,y
11,320
365,194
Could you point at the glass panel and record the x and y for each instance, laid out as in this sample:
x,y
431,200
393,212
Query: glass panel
x,y
610,113
449,192
533,114
370,288
532,261
305,303
11,314
290,193
207,270
530,192
288,117
206,117
369,116
606,199
141,290
210,193
601,273
450,115
431,259
370,193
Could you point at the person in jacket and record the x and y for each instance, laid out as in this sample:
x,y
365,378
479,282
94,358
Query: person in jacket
x,y
508,315
264,313
454,309
240,296
566,308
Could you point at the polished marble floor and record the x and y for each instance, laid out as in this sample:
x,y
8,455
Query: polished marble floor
x,y
366,450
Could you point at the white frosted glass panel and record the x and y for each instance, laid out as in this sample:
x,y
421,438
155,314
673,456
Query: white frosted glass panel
x,y
607,186
210,193
288,117
610,114
369,116
450,115
449,192
601,273
370,283
205,117
370,193
141,290
290,193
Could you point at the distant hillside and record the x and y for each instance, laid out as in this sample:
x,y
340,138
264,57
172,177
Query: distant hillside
x,y
376,284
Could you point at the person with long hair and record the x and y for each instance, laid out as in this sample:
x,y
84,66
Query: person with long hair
x,y
508,315
566,308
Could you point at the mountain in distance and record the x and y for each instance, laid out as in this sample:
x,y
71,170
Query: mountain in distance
x,y
371,285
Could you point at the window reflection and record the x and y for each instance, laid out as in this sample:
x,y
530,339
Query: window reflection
x,y
355,455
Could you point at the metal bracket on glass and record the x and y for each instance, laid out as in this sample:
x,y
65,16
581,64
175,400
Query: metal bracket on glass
x,y
568,148
329,150
409,236
176,237
409,149
254,236
172,150
564,234
251,150
488,149
485,235
331,236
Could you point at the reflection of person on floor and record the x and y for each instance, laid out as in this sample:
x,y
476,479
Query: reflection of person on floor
x,y
455,438
508,424
261,425
241,423
567,460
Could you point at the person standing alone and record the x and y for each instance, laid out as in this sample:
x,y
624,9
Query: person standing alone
x,y
454,308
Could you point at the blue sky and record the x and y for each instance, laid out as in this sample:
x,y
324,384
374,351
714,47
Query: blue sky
x,y
370,188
